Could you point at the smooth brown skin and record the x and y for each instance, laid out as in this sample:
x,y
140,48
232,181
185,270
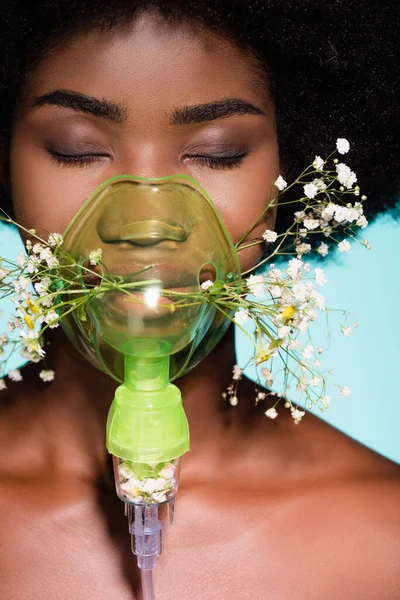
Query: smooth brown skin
x,y
266,509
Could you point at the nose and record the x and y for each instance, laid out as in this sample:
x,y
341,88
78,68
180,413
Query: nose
x,y
146,232
145,213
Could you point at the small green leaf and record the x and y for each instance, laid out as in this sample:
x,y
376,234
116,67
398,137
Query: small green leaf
x,y
275,344
216,287
81,313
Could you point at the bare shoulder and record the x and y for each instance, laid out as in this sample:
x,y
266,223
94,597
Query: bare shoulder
x,y
350,529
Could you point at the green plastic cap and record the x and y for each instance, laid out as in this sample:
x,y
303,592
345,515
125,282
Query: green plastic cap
x,y
146,422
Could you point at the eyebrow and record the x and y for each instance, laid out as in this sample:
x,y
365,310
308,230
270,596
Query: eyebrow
x,y
82,103
197,113
220,109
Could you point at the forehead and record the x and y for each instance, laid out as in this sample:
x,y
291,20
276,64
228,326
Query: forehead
x,y
150,66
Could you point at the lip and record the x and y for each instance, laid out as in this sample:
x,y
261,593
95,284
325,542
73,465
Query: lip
x,y
168,276
133,303
120,306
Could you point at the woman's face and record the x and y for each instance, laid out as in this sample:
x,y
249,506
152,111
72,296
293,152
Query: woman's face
x,y
148,100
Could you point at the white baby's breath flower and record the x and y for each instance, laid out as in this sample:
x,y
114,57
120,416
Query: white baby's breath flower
x,y
342,145
256,285
23,282
362,222
310,190
297,414
311,223
323,249
280,183
317,298
318,163
294,344
295,264
47,375
269,235
344,246
15,375
342,214
299,291
33,264
237,372
283,332
233,400
37,248
53,262
55,239
328,212
307,352
319,184
3,385
346,331
206,284
45,254
275,291
47,302
42,286
271,413
345,391
21,259
320,277
303,248
267,374
51,317
345,175
326,401
95,256
303,325
315,381
303,382
241,316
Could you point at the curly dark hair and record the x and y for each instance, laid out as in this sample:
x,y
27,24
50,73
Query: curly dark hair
x,y
331,64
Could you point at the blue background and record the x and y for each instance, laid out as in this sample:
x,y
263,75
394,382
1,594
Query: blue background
x,y
366,283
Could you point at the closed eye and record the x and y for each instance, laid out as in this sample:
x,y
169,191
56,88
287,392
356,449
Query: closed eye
x,y
219,162
212,161
76,159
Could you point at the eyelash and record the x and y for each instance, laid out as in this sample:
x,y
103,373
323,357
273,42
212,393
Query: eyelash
x,y
213,162
75,160
221,162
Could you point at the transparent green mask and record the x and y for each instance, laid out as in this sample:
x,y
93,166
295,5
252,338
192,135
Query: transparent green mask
x,y
155,234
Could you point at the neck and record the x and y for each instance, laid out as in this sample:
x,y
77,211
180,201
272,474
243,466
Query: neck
x,y
73,409
72,413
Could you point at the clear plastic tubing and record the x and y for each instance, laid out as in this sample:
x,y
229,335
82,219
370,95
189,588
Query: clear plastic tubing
x,y
147,585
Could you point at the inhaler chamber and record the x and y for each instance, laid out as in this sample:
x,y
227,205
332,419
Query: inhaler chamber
x,y
158,238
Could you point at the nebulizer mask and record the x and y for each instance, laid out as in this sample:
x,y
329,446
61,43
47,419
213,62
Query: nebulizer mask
x,y
156,242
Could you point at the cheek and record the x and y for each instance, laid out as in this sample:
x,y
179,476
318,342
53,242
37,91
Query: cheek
x,y
46,196
242,194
